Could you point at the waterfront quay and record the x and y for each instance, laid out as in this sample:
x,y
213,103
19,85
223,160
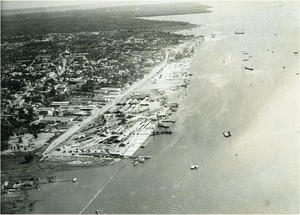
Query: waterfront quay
x,y
119,128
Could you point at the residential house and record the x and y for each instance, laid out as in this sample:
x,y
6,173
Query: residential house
x,y
46,111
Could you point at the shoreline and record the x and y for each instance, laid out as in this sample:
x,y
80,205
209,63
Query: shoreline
x,y
170,67
261,153
57,165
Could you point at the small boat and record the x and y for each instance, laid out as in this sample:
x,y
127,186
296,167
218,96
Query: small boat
x,y
141,159
144,144
74,179
226,133
193,167
251,69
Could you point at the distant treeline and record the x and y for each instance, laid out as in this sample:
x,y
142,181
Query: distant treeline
x,y
170,9
100,19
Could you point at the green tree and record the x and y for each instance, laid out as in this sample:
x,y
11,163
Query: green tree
x,y
20,140
35,135
28,158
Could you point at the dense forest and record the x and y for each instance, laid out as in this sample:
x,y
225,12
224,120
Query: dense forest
x,y
100,19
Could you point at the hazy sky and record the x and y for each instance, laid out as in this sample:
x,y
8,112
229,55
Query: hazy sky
x,y
22,4
8,5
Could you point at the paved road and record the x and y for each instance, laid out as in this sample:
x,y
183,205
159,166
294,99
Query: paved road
x,y
97,111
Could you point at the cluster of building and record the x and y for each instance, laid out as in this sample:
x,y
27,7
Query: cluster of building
x,y
24,184
51,82
126,126
120,131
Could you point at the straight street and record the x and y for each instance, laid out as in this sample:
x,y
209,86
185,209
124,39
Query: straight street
x,y
98,111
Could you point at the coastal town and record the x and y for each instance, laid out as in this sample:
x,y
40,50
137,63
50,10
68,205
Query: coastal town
x,y
159,108
86,94
70,107
98,97
78,108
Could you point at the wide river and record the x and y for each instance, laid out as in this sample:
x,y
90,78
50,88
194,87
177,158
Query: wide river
x,y
256,170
